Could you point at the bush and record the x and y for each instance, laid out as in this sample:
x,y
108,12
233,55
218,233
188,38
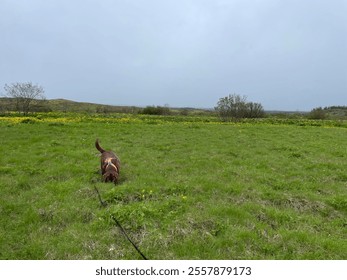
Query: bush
x,y
317,114
236,107
151,110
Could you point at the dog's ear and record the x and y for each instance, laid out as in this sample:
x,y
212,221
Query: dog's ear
x,y
105,176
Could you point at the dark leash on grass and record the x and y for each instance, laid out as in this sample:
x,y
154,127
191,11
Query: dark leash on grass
x,y
127,237
103,203
118,224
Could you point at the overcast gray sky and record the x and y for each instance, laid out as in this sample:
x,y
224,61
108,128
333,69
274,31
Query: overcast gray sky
x,y
285,54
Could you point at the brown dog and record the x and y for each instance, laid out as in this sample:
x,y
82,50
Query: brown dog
x,y
110,164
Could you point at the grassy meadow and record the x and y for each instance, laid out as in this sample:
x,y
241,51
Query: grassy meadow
x,y
190,188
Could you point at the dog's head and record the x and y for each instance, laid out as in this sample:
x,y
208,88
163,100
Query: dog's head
x,y
110,176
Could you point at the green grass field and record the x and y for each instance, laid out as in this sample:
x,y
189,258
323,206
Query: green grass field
x,y
189,189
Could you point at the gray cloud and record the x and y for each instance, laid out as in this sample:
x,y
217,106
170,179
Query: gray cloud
x,y
285,54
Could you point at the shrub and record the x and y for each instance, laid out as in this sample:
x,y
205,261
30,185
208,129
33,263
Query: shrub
x,y
317,114
236,107
152,110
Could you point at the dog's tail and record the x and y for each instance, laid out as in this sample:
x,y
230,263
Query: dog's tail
x,y
98,146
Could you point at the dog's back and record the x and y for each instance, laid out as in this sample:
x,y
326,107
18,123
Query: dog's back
x,y
110,164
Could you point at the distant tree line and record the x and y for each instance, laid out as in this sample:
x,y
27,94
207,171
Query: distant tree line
x,y
336,108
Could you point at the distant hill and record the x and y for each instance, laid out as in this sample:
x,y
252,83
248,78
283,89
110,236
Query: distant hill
x,y
64,105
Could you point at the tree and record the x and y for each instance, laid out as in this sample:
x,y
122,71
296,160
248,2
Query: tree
x,y
255,110
236,107
24,95
231,106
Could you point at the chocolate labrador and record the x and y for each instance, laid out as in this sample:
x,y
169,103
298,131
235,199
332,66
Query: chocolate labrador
x,y
110,164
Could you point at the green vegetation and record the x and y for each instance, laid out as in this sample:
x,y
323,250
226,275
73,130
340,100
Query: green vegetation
x,y
191,188
159,110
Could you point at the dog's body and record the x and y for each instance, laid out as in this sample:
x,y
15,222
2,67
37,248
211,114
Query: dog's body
x,y
110,164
